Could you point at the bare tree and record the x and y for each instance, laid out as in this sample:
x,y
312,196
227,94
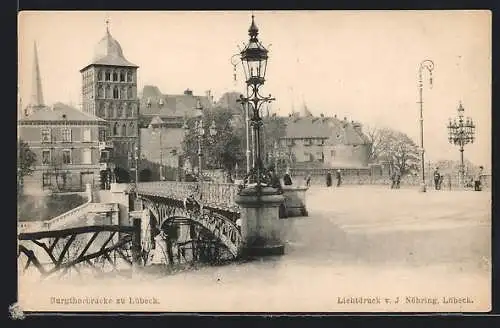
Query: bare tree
x,y
395,148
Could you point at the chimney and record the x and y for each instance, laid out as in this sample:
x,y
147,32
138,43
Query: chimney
x,y
188,92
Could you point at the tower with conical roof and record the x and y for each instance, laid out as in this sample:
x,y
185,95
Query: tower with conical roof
x,y
109,91
36,100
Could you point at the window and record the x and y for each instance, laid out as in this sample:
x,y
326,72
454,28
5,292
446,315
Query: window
x,y
131,129
123,93
102,134
66,135
124,129
129,76
116,93
86,135
45,157
87,156
46,135
104,156
119,111
108,76
129,93
46,179
108,92
115,76
100,92
99,75
100,110
122,76
66,156
128,109
115,129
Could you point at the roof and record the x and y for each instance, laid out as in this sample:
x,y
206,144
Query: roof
x,y
110,53
165,105
332,128
229,100
57,112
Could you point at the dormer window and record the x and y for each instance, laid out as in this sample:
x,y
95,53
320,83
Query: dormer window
x,y
160,102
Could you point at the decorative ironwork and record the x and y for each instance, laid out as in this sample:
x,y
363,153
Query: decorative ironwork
x,y
461,132
254,60
177,228
85,250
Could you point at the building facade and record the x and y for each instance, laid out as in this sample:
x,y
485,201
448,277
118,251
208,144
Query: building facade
x,y
324,142
67,144
109,91
162,130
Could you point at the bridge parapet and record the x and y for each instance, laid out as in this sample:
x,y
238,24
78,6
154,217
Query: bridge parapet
x,y
220,195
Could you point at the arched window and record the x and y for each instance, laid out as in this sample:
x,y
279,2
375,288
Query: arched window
x,y
123,93
124,129
99,75
115,129
119,111
108,76
100,92
100,110
129,93
133,110
116,93
129,76
115,76
122,76
129,110
107,94
131,129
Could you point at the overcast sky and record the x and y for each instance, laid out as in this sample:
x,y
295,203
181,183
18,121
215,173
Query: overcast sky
x,y
359,64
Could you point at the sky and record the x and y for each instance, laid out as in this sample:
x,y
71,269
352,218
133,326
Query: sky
x,y
362,65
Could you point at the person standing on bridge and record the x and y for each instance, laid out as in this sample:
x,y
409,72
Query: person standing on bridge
x,y
338,176
328,179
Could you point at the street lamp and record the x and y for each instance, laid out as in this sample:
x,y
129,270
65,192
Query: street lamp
x,y
200,133
254,59
461,132
429,66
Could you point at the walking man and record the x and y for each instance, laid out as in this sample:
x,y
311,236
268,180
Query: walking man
x,y
339,178
477,179
437,178
328,179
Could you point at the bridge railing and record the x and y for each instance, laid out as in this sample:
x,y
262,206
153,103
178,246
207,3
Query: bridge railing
x,y
220,194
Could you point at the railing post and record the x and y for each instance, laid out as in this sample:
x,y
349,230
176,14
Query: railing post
x,y
136,242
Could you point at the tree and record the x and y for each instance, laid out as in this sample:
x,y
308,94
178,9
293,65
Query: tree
x,y
395,148
220,151
26,161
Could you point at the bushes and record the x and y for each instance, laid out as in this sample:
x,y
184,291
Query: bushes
x,y
42,208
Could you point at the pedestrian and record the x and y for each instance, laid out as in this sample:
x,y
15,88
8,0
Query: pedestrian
x,y
287,180
393,179
275,180
328,179
338,176
437,177
441,178
477,179
308,179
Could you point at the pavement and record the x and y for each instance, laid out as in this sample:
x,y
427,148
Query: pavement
x,y
401,249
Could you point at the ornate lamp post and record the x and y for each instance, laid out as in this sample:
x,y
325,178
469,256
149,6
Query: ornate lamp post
x,y
461,132
429,66
258,200
200,133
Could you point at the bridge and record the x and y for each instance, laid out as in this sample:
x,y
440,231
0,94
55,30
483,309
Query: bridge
x,y
180,223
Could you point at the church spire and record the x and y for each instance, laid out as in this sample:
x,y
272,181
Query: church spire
x,y
37,94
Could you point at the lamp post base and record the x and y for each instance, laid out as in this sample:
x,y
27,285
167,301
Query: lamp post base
x,y
422,188
261,226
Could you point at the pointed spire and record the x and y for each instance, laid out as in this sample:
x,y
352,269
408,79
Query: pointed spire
x,y
107,26
253,31
37,94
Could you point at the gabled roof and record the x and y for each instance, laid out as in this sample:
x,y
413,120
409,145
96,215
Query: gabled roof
x,y
61,112
165,105
325,127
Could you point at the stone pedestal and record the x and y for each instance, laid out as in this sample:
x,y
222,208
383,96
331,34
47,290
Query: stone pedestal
x,y
260,224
